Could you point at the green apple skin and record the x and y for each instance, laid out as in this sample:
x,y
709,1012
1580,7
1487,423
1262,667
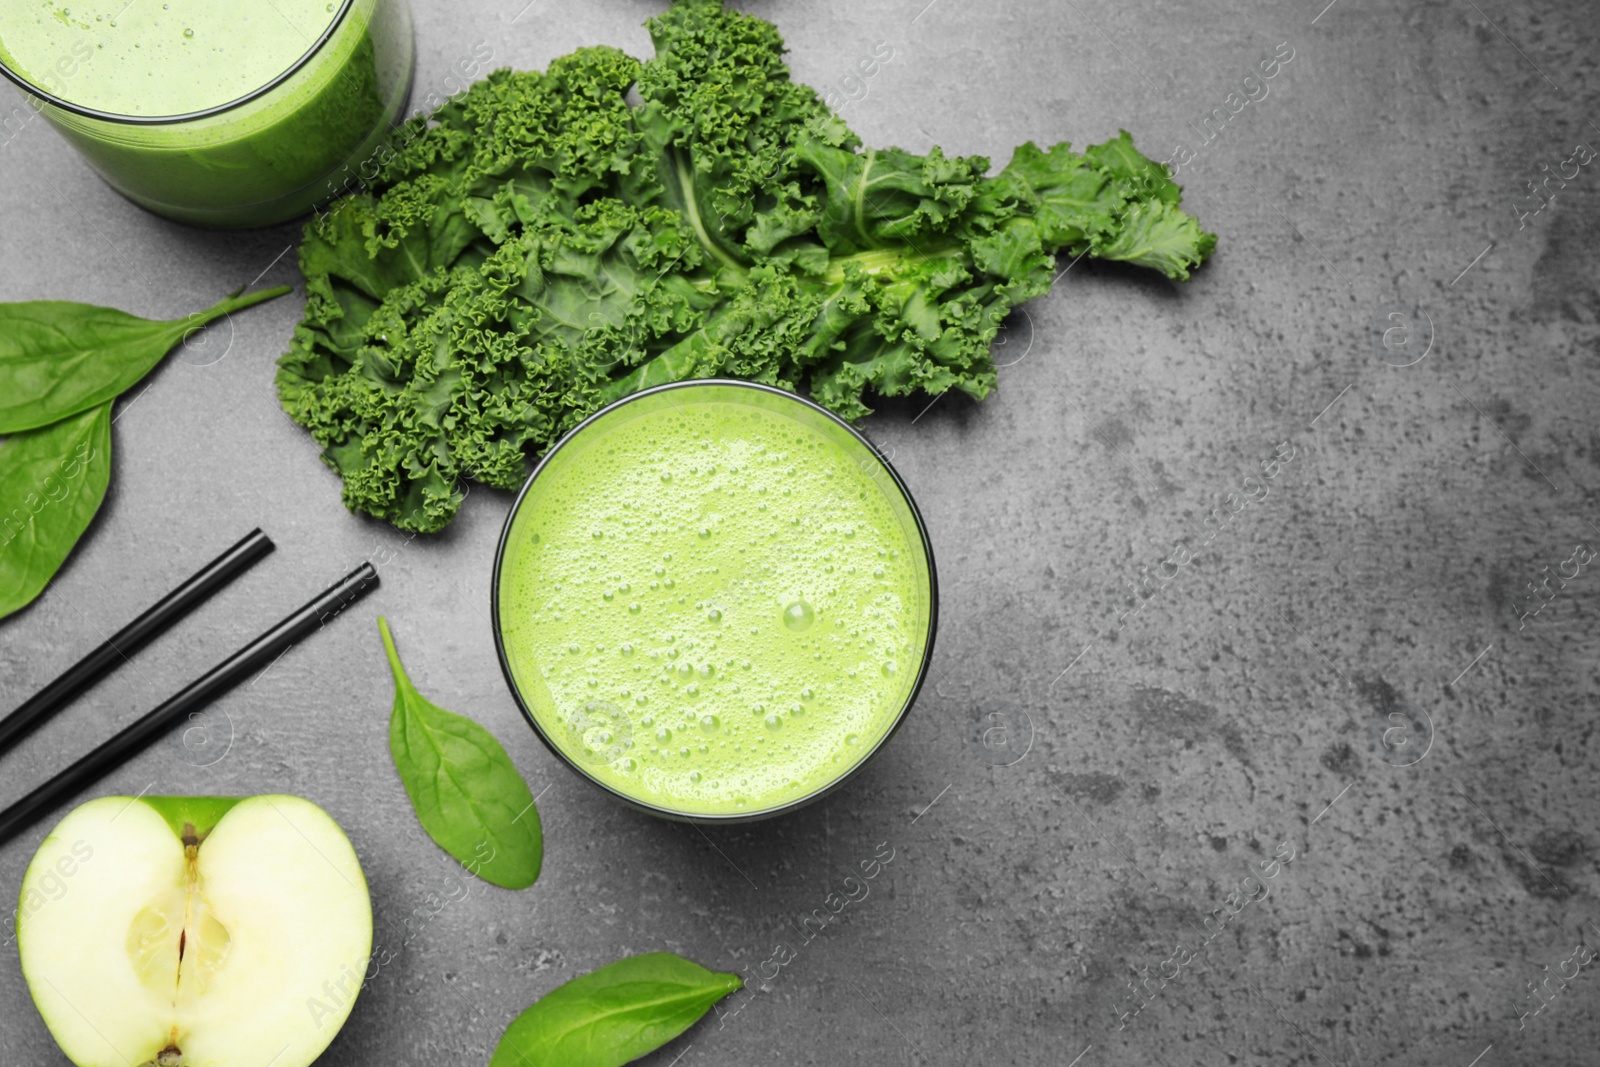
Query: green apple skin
x,y
194,931
198,815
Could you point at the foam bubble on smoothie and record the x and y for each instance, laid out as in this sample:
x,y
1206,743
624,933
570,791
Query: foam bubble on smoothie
x,y
735,584
151,58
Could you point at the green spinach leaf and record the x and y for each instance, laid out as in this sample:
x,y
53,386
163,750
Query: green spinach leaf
x,y
465,789
52,481
59,358
613,1015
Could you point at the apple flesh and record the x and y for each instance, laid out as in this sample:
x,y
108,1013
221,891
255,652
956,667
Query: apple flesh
x,y
195,931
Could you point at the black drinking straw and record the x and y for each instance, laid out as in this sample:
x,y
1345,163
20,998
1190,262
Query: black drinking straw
x,y
134,636
263,650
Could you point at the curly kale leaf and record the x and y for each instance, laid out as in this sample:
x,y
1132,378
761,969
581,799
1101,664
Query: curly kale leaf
x,y
542,245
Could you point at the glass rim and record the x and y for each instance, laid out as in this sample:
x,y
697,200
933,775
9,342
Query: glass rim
x,y
84,111
673,814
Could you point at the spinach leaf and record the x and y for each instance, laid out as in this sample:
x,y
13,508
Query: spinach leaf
x,y
613,1015
59,358
467,793
51,483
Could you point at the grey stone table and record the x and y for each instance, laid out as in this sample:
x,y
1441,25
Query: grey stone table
x,y
1339,674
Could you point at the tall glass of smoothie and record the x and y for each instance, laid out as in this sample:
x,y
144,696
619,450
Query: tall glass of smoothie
x,y
715,600
215,112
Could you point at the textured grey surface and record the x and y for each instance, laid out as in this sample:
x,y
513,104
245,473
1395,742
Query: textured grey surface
x,y
1153,756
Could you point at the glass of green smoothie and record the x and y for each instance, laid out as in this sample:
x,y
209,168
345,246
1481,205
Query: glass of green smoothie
x,y
715,600
216,112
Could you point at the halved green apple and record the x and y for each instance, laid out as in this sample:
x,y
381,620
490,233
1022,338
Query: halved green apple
x,y
202,931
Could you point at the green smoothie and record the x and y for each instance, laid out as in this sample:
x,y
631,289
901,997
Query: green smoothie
x,y
716,605
166,100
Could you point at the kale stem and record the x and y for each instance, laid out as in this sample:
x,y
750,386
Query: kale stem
x,y
884,261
